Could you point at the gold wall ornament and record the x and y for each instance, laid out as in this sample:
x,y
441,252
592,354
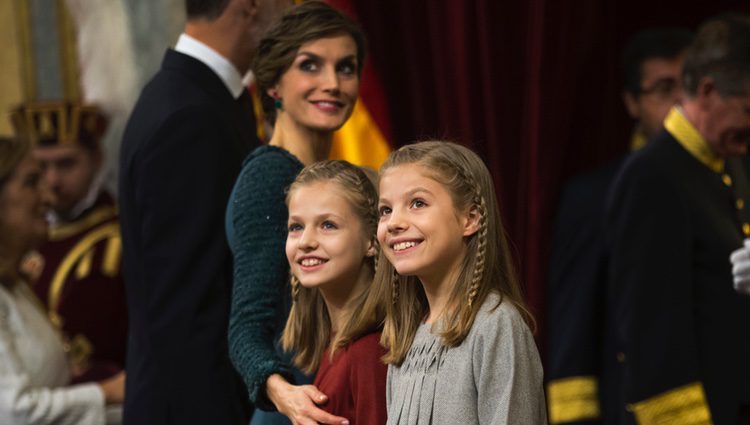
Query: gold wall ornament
x,y
38,54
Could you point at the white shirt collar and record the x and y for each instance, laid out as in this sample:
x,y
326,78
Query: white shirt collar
x,y
218,63
84,204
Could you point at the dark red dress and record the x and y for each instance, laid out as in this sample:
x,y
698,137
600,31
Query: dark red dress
x,y
355,381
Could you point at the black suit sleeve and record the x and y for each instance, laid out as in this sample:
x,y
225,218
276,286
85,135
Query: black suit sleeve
x,y
577,295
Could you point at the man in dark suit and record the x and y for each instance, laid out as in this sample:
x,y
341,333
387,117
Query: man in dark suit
x,y
581,386
181,152
678,208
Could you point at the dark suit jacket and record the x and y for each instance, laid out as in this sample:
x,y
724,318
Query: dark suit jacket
x,y
181,152
672,223
580,345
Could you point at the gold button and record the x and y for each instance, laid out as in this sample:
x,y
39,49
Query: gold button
x,y
740,204
726,179
746,229
55,319
621,357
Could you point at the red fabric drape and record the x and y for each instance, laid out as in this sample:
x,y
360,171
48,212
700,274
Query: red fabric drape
x,y
533,86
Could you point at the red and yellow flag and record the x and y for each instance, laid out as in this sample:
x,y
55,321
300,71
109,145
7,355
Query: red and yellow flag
x,y
363,140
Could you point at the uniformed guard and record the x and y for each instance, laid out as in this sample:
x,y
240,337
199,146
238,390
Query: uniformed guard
x,y
678,208
77,273
582,387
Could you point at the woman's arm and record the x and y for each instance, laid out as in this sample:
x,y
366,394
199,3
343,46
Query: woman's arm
x,y
298,402
261,272
23,404
260,293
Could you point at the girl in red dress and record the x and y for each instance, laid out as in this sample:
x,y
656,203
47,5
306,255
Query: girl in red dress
x,y
335,321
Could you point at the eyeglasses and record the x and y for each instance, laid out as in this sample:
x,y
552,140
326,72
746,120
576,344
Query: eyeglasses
x,y
663,88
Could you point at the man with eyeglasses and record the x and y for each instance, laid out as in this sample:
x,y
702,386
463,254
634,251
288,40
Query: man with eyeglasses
x,y
583,386
652,64
677,211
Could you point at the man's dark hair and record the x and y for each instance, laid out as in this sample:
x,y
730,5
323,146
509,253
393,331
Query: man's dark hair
x,y
651,43
721,50
205,9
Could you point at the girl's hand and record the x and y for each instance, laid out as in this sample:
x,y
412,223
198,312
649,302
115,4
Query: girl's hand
x,y
298,402
114,389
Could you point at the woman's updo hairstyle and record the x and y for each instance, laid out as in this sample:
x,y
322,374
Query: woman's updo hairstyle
x,y
309,21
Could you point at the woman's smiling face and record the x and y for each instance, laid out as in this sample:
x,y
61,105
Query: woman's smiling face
x,y
320,88
24,203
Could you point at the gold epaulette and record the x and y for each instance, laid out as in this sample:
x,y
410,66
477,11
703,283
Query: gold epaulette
x,y
637,140
79,261
90,220
573,399
684,406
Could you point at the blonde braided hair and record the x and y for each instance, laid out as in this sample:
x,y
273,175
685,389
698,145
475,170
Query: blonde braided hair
x,y
487,267
480,257
394,289
308,327
294,283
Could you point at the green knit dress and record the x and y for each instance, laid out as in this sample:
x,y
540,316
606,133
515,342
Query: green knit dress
x,y
256,226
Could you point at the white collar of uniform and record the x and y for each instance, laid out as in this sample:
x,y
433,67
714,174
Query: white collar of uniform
x,y
218,63
84,204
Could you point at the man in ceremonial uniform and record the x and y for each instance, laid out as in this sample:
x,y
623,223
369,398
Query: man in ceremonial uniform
x,y
582,388
678,209
78,273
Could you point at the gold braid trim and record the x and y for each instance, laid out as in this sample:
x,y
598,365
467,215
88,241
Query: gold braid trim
x,y
573,399
90,220
84,265
75,255
684,405
112,256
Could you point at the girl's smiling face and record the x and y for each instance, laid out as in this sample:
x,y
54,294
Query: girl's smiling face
x,y
326,245
420,230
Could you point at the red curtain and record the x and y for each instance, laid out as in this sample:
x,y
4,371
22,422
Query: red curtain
x,y
533,86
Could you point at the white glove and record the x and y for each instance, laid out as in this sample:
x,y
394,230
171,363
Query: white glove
x,y
741,268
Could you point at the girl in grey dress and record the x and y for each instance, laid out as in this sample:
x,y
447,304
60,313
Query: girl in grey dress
x,y
460,339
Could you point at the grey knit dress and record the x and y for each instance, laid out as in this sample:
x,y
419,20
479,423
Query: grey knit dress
x,y
493,377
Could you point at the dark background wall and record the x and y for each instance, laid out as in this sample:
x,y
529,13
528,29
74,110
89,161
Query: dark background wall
x,y
532,85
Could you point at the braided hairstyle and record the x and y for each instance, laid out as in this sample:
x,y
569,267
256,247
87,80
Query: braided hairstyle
x,y
487,267
308,328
